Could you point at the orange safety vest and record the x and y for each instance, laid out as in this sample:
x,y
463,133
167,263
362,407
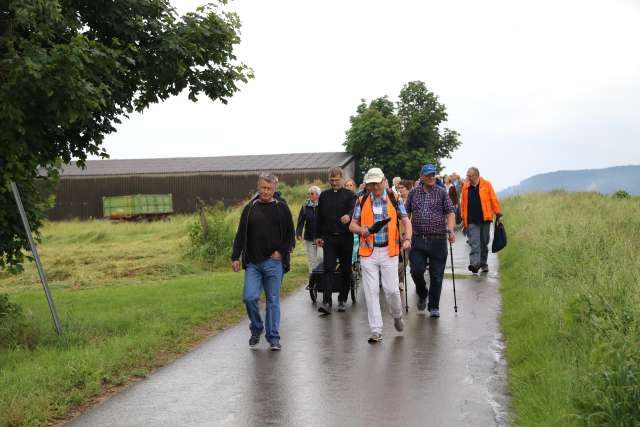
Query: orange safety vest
x,y
367,219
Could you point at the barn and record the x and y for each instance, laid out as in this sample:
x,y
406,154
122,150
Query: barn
x,y
229,179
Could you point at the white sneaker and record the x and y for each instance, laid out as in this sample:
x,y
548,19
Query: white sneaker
x,y
375,338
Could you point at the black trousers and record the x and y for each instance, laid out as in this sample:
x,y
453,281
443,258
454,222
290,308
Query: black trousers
x,y
337,247
435,253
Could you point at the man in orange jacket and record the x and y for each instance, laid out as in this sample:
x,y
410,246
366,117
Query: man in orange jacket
x,y
479,205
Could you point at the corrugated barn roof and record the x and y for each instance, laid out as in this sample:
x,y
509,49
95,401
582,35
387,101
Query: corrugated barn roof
x,y
187,165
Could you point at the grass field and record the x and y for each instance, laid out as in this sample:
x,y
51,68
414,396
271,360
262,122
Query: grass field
x,y
129,301
570,280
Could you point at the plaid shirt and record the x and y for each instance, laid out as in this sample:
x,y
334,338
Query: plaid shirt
x,y
380,213
428,209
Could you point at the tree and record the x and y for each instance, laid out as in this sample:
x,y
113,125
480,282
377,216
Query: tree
x,y
375,135
401,142
70,70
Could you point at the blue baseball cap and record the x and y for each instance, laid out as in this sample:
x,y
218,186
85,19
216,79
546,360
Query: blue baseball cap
x,y
428,169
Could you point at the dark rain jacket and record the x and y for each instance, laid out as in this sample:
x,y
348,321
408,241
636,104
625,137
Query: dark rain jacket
x,y
287,238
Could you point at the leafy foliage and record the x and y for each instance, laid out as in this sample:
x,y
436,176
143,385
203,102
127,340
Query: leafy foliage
x,y
70,70
401,138
12,323
214,245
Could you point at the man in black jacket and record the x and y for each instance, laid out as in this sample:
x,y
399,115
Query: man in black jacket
x,y
335,208
264,241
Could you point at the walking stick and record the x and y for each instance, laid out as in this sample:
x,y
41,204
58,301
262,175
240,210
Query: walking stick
x,y
455,301
406,285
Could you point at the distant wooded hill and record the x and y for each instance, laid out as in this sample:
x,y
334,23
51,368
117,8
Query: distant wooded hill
x,y
604,181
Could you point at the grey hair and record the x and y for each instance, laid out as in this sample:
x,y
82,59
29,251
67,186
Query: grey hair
x,y
315,189
336,171
475,170
268,177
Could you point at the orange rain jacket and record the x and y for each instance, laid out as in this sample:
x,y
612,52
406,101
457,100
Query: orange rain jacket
x,y
488,200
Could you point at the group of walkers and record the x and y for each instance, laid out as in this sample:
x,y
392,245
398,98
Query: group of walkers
x,y
381,222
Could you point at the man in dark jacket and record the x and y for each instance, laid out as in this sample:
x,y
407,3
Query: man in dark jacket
x,y
335,208
264,241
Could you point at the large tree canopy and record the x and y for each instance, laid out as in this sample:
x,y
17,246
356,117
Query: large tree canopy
x,y
401,138
70,70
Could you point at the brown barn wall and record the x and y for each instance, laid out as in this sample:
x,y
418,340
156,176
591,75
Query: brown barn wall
x,y
81,197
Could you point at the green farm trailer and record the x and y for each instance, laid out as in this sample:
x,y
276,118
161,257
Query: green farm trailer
x,y
137,206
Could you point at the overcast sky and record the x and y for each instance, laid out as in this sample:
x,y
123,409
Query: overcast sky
x,y
532,86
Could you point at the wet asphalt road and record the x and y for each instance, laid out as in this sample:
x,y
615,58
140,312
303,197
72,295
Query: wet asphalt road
x,y
438,372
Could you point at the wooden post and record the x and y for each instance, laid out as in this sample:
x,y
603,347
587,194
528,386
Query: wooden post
x,y
203,217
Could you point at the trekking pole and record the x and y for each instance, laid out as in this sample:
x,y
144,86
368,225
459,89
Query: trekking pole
x,y
406,285
453,274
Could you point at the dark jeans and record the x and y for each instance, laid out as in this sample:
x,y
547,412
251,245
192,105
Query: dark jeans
x,y
337,247
435,252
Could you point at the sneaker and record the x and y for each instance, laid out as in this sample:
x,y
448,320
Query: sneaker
x,y
374,338
325,308
275,345
254,340
485,268
422,304
473,268
434,312
398,323
342,307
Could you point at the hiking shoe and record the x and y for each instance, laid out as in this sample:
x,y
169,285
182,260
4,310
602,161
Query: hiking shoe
x,y
375,338
473,268
485,268
434,312
422,304
275,345
325,308
342,307
254,340
398,323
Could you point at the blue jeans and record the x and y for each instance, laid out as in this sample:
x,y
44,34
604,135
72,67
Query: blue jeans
x,y
435,251
268,275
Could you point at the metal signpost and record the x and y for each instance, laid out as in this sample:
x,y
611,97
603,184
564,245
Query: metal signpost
x,y
34,250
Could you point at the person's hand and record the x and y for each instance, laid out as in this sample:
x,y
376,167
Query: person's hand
x,y
235,265
299,237
276,255
452,237
345,219
364,232
319,243
499,219
406,245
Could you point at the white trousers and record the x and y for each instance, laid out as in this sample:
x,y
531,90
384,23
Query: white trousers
x,y
380,265
314,254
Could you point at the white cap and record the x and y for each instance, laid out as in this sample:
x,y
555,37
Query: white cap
x,y
373,176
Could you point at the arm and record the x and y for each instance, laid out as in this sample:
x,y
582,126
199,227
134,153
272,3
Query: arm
x,y
356,228
239,241
495,204
319,218
288,237
301,219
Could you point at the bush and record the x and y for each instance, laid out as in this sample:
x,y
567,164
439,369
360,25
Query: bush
x,y
621,194
214,246
12,324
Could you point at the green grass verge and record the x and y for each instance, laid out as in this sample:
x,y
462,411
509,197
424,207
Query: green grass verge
x,y
571,309
110,334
